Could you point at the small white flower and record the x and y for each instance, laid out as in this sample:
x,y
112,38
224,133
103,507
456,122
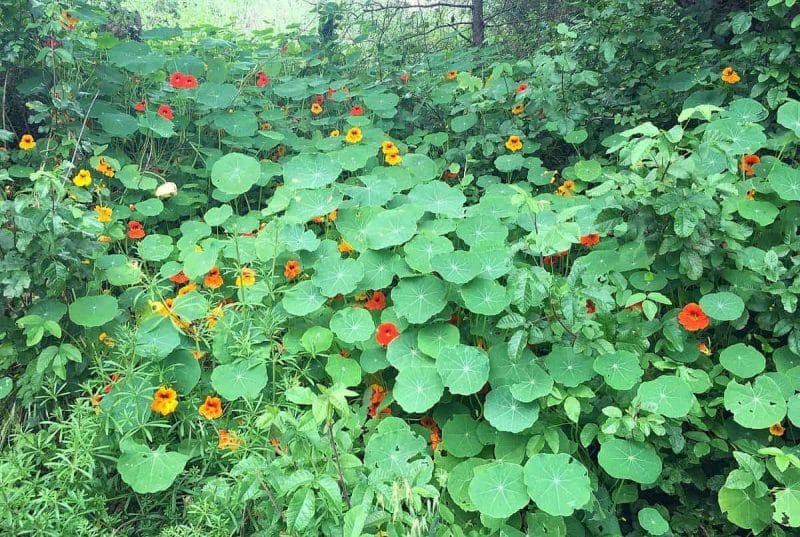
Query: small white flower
x,y
167,190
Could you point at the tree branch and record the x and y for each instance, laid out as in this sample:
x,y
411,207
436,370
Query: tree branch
x,y
380,7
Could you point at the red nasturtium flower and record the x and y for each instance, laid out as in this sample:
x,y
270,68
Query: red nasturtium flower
x,y
404,77
165,111
329,93
189,82
748,161
522,87
262,79
386,333
318,99
357,110
592,239
702,347
135,230
376,302
177,80
692,317
141,106
179,278
377,397
590,307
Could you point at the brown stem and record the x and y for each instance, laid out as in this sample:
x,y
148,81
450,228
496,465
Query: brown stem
x,y
335,451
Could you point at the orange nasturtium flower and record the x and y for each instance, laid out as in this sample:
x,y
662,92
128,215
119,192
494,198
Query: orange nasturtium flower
x,y
748,161
179,278
27,142
730,76
592,239
246,278
702,347
452,74
514,143
522,87
104,168
388,147
376,302
211,409
213,279
393,159
84,178
106,340
214,316
776,429
518,109
165,401
228,440
103,214
354,135
344,247
186,289
135,230
333,215
386,333
292,269
693,318
316,108
198,355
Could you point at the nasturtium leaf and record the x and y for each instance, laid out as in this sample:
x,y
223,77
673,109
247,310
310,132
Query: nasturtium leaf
x,y
485,297
498,489
762,213
353,157
379,268
757,404
239,123
477,229
235,173
316,339
742,360
306,204
458,481
588,170
434,337
576,137
150,207
149,471
375,192
381,101
213,95
344,371
181,371
296,237
163,128
460,436
127,407
404,352
127,274
456,267
463,122
352,325
509,163
421,167
652,521
6,385
190,306
197,264
787,505
156,338
90,311
118,124
789,116
738,138
628,459
155,247
667,395
302,298
557,484
495,260
793,410
785,180
419,299
439,198
724,306
241,379
747,111
422,248
532,383
567,367
337,275
464,369
417,389
393,226
745,507
505,413
310,171
620,369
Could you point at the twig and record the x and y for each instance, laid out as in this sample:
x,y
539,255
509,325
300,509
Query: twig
x,y
5,87
80,135
342,482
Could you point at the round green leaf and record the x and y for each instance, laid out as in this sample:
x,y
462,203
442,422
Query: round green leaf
x,y
746,508
457,267
458,481
417,389
181,371
652,521
310,171
337,275
344,371
498,489
588,170
216,216
667,395
213,95
238,123
460,436
724,306
393,227
463,122
620,369
464,369
568,368
118,124
379,268
439,198
480,229
505,413
240,379
6,385
509,163
422,248
150,207
742,360
757,404
155,247
785,180
404,352
317,339
626,459
191,306
419,299
532,383
90,311
235,173
433,338
301,299
762,213
156,338
557,484
789,116
352,325
793,410
149,471
485,297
